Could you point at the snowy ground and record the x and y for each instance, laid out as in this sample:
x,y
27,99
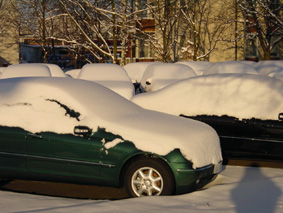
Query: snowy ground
x,y
237,189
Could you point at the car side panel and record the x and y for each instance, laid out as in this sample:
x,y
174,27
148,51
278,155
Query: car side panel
x,y
63,155
12,150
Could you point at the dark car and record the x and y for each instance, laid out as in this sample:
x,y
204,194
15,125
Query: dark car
x,y
247,138
245,110
70,130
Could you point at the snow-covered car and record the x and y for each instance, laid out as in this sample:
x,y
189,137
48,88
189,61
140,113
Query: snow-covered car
x,y
70,130
245,110
26,70
111,76
33,69
159,75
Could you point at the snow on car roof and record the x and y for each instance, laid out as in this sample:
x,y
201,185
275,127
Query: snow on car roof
x,y
159,75
230,67
198,66
74,73
136,70
111,76
26,70
55,70
36,104
269,67
240,95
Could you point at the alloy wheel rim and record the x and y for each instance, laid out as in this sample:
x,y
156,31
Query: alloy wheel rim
x,y
147,181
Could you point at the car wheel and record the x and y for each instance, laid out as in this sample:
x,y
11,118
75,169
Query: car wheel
x,y
146,177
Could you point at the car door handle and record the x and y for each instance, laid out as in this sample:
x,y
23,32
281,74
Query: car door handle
x,y
34,135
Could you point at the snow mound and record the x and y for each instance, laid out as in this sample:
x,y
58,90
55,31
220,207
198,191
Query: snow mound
x,y
111,76
240,95
160,75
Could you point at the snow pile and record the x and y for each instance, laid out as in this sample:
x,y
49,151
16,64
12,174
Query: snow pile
x,y
198,66
136,70
111,76
230,67
26,70
37,104
238,95
159,75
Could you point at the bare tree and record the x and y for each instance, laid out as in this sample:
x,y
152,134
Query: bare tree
x,y
165,41
35,18
205,23
264,21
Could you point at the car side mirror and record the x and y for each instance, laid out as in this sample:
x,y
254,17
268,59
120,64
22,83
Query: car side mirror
x,y
83,131
280,116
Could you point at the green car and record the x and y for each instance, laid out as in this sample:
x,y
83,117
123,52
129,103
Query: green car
x,y
77,131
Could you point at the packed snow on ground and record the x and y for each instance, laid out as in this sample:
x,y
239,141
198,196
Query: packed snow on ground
x,y
159,75
111,76
32,104
240,95
235,190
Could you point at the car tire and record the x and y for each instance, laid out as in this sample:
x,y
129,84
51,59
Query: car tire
x,y
147,177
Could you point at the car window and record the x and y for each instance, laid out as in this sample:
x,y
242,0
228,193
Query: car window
x,y
40,114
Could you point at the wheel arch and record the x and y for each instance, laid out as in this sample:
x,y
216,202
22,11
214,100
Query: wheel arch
x,y
139,156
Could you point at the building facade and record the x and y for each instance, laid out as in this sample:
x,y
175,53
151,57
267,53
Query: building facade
x,y
9,34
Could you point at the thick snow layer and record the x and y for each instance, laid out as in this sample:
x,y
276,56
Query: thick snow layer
x,y
55,70
26,70
235,190
267,67
230,67
198,66
32,104
278,75
159,75
239,95
111,76
136,70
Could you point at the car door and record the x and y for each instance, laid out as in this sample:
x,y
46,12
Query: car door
x,y
12,150
58,156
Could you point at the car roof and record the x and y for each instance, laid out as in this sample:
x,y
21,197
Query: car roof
x,y
111,76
